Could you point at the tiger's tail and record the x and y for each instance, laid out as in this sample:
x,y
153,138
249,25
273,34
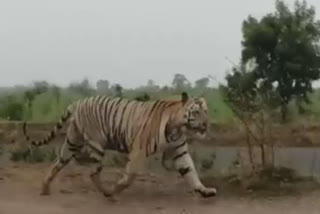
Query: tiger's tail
x,y
64,118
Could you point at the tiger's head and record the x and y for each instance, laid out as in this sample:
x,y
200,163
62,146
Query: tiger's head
x,y
195,115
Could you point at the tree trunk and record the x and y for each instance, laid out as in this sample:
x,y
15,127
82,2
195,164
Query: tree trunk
x,y
250,154
263,156
284,112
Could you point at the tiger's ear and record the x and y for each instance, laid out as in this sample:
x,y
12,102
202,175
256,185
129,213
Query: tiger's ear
x,y
203,102
184,97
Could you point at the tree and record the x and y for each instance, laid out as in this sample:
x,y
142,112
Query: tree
x,y
180,82
202,83
285,48
151,86
102,86
41,87
150,83
83,88
56,91
253,106
117,90
38,88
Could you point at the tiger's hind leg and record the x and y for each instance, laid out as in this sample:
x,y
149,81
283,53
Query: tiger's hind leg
x,y
98,155
133,167
71,147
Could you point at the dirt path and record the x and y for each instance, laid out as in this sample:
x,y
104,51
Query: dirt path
x,y
73,193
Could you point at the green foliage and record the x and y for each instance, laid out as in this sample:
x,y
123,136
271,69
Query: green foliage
x,y
83,88
180,82
284,47
11,108
34,155
144,97
49,105
202,83
117,88
102,86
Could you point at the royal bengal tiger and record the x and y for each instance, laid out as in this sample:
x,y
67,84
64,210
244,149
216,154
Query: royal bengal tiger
x,y
140,129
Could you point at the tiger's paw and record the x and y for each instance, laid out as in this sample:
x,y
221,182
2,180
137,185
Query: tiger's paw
x,y
206,192
45,190
110,197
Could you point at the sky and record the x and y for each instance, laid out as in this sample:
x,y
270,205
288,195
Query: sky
x,y
124,41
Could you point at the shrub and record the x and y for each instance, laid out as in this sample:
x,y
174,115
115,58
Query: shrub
x,y
208,162
34,155
11,108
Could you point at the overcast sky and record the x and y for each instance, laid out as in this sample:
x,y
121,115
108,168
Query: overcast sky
x,y
66,40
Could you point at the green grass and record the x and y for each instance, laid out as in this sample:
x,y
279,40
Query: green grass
x,y
47,107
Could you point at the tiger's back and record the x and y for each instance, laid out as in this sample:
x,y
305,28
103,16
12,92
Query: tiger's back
x,y
114,122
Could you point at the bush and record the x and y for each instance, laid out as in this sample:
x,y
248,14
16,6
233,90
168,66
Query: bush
x,y
11,108
144,97
34,155
207,163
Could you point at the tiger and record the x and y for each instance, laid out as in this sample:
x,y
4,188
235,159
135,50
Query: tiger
x,y
139,129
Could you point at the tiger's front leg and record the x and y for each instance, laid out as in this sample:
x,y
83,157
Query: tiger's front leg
x,y
185,166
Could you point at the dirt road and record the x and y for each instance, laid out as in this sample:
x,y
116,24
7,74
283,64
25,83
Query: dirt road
x,y
73,193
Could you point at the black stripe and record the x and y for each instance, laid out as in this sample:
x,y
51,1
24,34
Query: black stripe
x,y
114,117
70,143
167,132
181,145
52,134
133,108
74,149
118,130
109,114
96,110
158,102
179,155
184,171
104,115
108,121
59,126
93,105
110,136
64,118
101,153
97,171
98,114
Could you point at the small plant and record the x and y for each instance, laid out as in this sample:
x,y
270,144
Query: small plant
x,y
207,163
